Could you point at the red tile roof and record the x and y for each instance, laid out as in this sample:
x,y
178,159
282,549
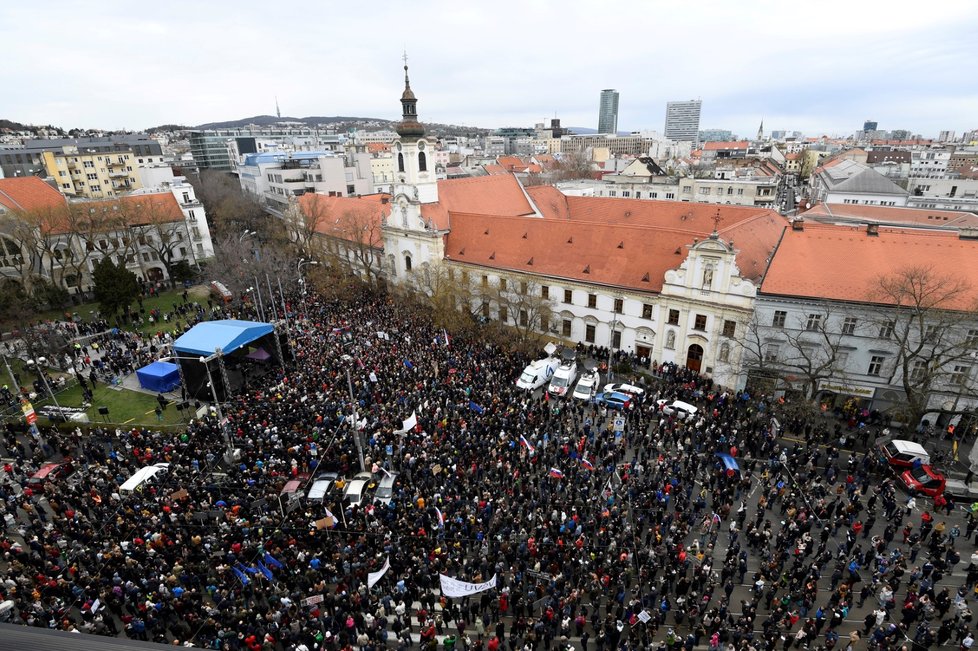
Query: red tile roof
x,y
485,195
29,193
923,217
619,242
378,147
495,170
844,263
346,217
725,144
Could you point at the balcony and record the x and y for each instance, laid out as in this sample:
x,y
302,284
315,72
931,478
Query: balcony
x,y
115,163
118,174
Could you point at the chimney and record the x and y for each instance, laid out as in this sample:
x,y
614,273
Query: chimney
x,y
873,229
798,224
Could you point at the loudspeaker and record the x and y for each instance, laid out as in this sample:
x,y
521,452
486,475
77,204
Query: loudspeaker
x,y
104,411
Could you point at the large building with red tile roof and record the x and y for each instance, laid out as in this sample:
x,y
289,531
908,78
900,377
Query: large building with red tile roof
x,y
842,310
28,193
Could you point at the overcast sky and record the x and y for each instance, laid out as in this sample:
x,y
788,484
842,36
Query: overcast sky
x,y
817,67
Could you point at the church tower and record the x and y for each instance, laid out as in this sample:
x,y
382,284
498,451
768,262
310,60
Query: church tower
x,y
412,242
760,131
414,167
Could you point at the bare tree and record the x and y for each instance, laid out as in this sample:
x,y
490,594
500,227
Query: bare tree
x,y
521,305
305,221
449,295
810,349
932,318
359,235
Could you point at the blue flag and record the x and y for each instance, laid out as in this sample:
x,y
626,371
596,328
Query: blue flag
x,y
474,407
271,561
241,577
267,572
408,363
247,568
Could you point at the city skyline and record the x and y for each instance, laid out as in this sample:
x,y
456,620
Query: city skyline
x,y
819,73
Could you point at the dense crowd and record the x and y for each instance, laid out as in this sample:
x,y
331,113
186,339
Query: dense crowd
x,y
599,539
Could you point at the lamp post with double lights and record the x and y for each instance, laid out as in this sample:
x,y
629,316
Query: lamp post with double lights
x,y
38,365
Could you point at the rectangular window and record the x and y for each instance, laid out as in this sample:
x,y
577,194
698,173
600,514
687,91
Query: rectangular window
x,y
918,371
886,330
616,339
875,365
485,309
568,296
814,322
485,280
589,333
771,352
544,323
960,375
523,287
646,311
503,313
502,284
565,328
524,318
619,305
729,328
545,292
930,332
673,317
592,300
699,322
972,337
849,325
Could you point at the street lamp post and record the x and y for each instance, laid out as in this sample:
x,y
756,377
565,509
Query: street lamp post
x,y
303,262
40,372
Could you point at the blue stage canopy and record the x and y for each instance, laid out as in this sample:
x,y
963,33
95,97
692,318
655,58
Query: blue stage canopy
x,y
159,376
228,335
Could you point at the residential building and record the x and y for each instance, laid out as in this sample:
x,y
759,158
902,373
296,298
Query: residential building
x,y
716,135
944,194
929,163
48,238
608,111
221,149
963,163
846,181
870,125
683,120
27,159
827,325
92,174
278,177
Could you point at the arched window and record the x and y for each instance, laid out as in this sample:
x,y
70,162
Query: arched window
x,y
671,339
392,264
724,355
407,263
422,162
400,162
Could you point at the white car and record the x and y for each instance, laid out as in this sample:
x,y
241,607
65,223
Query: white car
x,y
321,485
563,379
587,386
538,373
356,490
683,410
638,393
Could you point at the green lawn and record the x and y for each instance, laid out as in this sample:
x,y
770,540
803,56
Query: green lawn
x,y
125,407
164,302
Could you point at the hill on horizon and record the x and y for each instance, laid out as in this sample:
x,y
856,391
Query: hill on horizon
x,y
267,120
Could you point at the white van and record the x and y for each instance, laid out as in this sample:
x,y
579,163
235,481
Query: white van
x,y
142,476
537,373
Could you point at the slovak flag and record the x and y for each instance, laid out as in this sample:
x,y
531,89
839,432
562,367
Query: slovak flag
x,y
441,518
556,473
526,444
587,464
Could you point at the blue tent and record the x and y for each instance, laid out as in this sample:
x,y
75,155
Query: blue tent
x,y
228,335
159,376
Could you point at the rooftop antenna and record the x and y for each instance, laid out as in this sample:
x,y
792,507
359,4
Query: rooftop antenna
x,y
278,111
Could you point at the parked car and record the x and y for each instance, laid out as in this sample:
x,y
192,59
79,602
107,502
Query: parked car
x,y
356,489
900,454
385,489
587,386
49,472
924,480
321,485
682,410
564,377
637,393
613,400
537,373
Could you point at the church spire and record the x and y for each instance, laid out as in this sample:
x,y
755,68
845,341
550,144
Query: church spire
x,y
760,130
409,127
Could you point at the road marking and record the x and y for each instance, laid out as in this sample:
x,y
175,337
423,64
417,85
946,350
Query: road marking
x,y
130,420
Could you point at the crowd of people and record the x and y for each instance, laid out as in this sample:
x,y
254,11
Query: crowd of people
x,y
598,538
